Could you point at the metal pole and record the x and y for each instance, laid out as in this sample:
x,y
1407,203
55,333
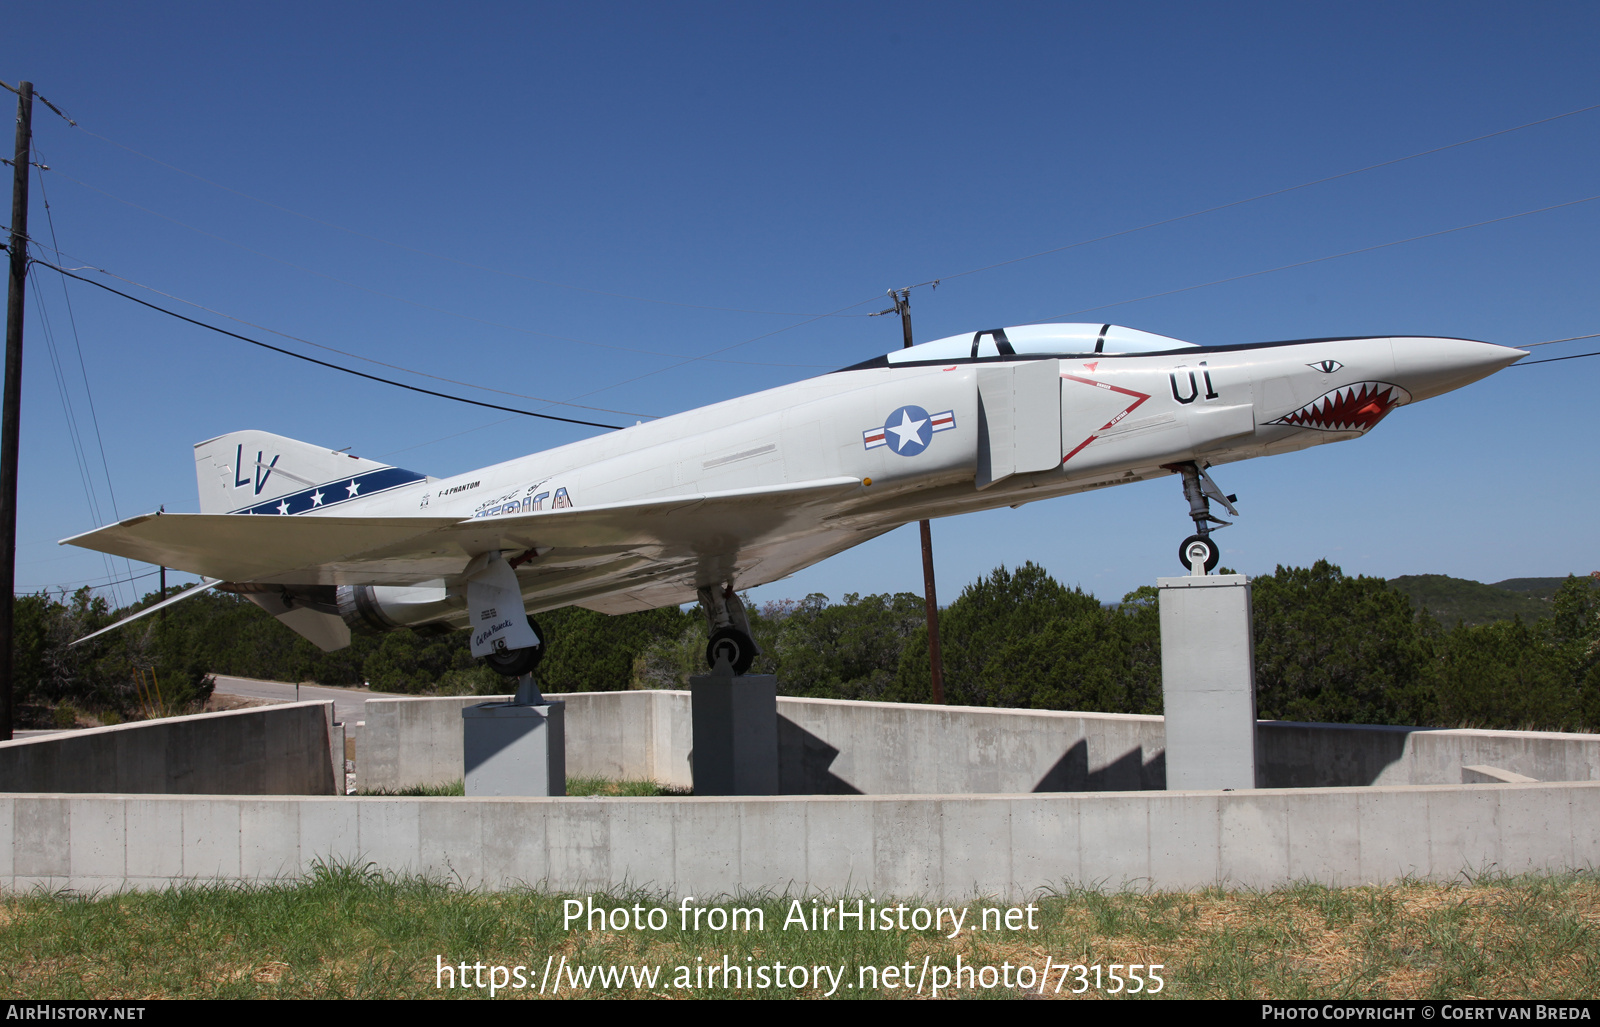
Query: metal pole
x,y
902,306
11,399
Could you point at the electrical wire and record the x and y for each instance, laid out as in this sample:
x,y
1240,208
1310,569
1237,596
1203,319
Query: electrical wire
x,y
62,586
74,435
81,449
1552,342
389,295
1551,360
355,356
77,343
321,363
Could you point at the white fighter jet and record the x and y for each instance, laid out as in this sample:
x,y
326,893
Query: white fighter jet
x,y
747,491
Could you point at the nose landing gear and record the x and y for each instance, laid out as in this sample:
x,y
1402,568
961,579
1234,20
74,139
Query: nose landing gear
x,y
1198,553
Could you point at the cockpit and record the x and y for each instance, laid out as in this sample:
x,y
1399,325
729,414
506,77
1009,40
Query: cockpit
x,y
1043,340
1038,340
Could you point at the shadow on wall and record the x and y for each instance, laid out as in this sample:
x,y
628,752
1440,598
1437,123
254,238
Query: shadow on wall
x,y
803,762
1127,773
1293,755
1289,755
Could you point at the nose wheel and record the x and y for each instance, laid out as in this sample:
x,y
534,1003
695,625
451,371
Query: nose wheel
x,y
1198,553
1199,550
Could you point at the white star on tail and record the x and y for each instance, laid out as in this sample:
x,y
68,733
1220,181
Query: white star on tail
x,y
907,429
316,498
283,507
353,487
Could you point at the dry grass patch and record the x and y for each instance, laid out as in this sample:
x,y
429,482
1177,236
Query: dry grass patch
x,y
351,932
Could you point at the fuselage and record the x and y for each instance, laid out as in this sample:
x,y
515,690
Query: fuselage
x,y
947,427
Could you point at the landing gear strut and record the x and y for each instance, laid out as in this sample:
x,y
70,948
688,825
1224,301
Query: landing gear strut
x,y
731,642
1198,553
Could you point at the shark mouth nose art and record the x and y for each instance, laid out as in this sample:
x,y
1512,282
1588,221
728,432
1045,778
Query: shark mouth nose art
x,y
1354,407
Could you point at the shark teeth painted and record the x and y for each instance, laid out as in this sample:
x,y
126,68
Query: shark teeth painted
x,y
1355,407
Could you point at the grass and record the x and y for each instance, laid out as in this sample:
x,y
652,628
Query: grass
x,y
351,932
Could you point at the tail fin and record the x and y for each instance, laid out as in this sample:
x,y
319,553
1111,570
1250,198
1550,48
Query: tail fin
x,y
257,472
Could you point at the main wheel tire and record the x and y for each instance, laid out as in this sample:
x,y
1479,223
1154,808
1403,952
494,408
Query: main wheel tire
x,y
1212,553
738,647
513,663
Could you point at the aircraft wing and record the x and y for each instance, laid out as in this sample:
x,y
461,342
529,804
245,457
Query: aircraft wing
x,y
347,550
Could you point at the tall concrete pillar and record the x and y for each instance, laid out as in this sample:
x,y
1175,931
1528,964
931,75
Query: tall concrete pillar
x,y
1208,681
735,734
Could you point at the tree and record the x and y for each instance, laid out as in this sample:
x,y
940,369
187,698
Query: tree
x,y
1336,648
1023,639
849,650
1512,675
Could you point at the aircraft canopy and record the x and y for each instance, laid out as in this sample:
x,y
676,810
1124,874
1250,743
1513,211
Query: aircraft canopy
x,y
1038,340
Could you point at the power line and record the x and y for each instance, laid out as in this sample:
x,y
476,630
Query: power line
x,y
62,586
391,296
321,363
74,436
47,103
1551,360
354,356
1552,342
77,342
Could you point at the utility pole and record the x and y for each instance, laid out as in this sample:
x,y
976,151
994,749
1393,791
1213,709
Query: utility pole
x,y
902,306
11,399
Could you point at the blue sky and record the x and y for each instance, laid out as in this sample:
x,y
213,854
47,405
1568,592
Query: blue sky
x,y
640,184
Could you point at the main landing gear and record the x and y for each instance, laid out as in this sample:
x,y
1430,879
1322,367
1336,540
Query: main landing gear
x,y
513,663
1198,553
503,635
731,642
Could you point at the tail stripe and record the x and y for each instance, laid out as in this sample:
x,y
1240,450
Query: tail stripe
x,y
332,493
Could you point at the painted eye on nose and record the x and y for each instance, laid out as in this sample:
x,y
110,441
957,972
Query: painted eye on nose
x,y
1326,366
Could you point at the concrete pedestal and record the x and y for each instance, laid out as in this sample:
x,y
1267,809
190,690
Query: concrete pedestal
x,y
1208,681
515,749
735,734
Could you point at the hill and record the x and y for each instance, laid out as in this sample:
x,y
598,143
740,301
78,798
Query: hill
x,y
1472,602
1539,588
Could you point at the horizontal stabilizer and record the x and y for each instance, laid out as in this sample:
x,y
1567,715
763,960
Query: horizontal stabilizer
x,y
340,550
240,547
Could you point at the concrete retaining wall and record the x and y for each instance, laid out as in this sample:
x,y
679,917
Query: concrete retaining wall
x,y
828,746
288,749
621,735
1309,755
825,746
831,746
946,847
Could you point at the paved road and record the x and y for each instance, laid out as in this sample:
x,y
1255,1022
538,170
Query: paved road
x,y
347,702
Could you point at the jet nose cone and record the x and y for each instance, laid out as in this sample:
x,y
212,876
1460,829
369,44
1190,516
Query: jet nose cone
x,y
1428,367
